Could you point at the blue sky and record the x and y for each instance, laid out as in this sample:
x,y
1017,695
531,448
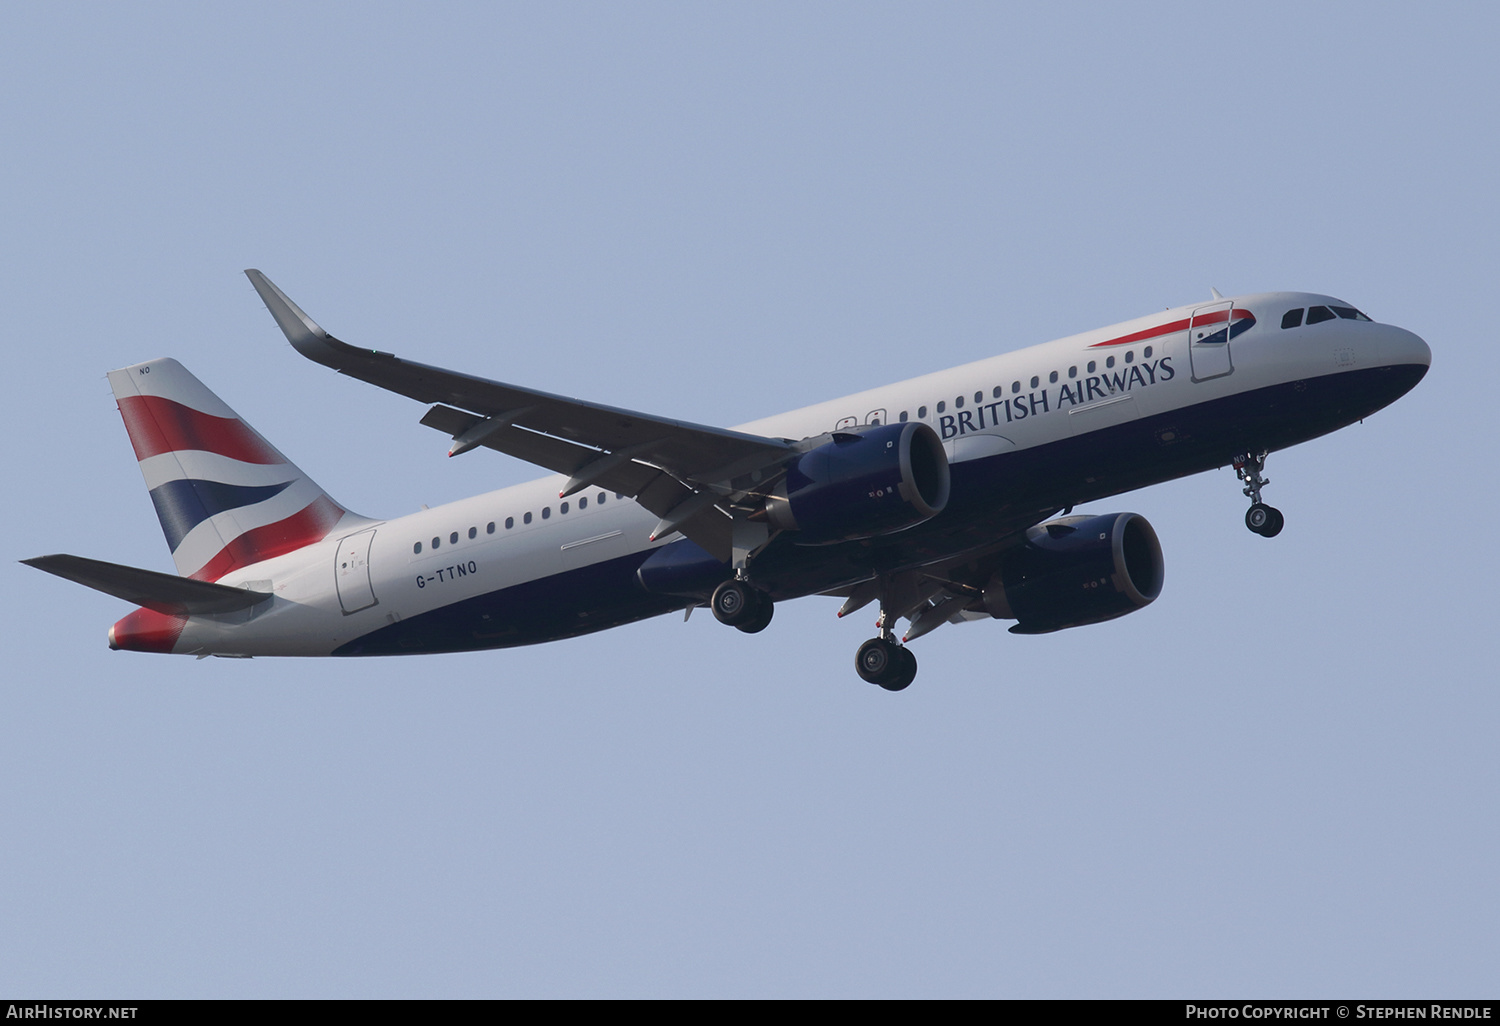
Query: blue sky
x,y
1279,779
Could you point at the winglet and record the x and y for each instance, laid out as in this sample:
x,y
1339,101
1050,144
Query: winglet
x,y
300,330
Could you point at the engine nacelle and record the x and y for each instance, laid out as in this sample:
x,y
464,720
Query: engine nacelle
x,y
1075,571
865,483
682,567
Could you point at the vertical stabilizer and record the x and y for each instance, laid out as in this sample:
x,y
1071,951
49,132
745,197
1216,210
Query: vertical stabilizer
x,y
225,497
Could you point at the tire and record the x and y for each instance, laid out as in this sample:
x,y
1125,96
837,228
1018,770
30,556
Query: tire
x,y
1275,524
764,610
733,603
874,660
903,671
1258,517
886,664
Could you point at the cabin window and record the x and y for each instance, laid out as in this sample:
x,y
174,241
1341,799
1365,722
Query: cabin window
x,y
453,538
1130,356
510,522
1052,378
921,412
1015,386
1072,372
903,416
546,512
1319,314
583,502
1092,365
436,542
958,403
942,405
1035,382
473,533
564,508
527,518
1147,354
1292,318
996,393
417,548
978,398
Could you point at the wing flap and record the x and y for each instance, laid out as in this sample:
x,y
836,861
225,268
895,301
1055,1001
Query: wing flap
x,y
656,490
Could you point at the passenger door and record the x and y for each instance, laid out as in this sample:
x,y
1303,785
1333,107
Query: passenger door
x,y
351,572
1208,341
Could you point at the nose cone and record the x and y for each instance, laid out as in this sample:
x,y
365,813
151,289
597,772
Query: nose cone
x,y
1409,348
1400,359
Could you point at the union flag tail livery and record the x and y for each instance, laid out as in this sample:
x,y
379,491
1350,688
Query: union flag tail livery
x,y
226,498
935,499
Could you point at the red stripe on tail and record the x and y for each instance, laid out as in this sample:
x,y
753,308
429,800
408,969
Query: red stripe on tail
x,y
158,425
312,524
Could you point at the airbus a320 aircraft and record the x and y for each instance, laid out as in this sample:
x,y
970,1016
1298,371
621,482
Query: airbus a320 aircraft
x,y
937,498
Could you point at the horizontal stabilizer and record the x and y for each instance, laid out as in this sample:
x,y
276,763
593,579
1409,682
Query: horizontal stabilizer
x,y
165,593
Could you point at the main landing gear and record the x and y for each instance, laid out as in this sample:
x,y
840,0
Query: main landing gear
x,y
882,661
1264,520
736,604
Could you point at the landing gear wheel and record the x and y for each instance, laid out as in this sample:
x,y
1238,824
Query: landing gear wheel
x,y
874,660
886,664
1277,523
732,603
1264,520
764,610
906,672
736,604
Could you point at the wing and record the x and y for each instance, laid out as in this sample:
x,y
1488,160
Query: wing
x,y
689,475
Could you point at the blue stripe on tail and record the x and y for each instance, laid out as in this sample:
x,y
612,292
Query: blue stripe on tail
x,y
183,504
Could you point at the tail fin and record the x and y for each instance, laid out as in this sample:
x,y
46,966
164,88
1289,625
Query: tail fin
x,y
225,497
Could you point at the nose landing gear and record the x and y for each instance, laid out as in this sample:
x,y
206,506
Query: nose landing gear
x,y
1264,520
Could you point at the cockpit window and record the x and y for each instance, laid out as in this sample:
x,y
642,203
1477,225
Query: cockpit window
x,y
1319,314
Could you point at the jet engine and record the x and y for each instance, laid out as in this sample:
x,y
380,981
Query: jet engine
x,y
864,483
1077,570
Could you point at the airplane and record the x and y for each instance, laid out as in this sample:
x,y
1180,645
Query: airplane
x,y
945,498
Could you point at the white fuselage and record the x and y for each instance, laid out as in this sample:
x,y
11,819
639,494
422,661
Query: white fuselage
x,y
1007,404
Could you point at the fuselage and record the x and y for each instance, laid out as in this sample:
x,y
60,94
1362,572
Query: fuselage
x,y
1026,433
